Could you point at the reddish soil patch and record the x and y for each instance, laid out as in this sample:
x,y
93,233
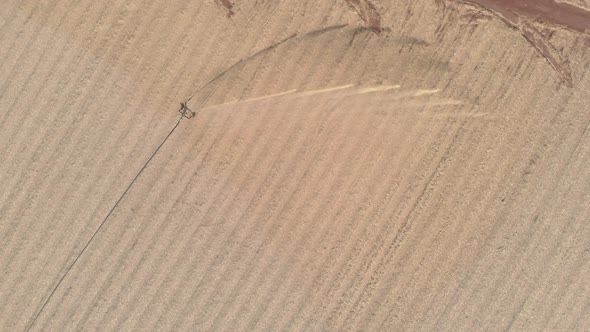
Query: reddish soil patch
x,y
523,15
548,11
227,4
539,41
368,13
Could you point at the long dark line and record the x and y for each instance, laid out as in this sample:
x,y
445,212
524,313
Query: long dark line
x,y
100,226
34,320
182,116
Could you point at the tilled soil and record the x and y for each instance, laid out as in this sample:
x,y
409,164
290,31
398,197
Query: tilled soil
x,y
351,165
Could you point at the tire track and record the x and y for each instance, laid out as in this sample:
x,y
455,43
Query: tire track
x,y
175,79
207,210
148,93
239,241
420,251
402,257
152,240
492,193
309,241
504,169
420,237
333,271
313,69
214,144
495,227
370,285
350,57
276,173
564,293
534,238
318,236
271,222
530,237
266,275
333,307
262,195
329,297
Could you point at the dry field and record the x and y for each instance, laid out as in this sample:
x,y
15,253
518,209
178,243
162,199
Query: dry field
x,y
353,165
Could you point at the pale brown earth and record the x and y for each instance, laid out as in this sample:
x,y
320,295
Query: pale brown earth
x,y
430,173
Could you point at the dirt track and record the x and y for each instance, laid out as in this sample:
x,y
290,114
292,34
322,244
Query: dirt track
x,y
383,167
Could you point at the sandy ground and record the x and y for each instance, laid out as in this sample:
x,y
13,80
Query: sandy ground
x,y
419,165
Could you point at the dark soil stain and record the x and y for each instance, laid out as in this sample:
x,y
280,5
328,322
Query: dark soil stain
x,y
539,41
524,15
546,11
368,13
228,5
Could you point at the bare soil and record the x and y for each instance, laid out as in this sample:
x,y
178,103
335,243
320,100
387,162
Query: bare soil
x,y
352,165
